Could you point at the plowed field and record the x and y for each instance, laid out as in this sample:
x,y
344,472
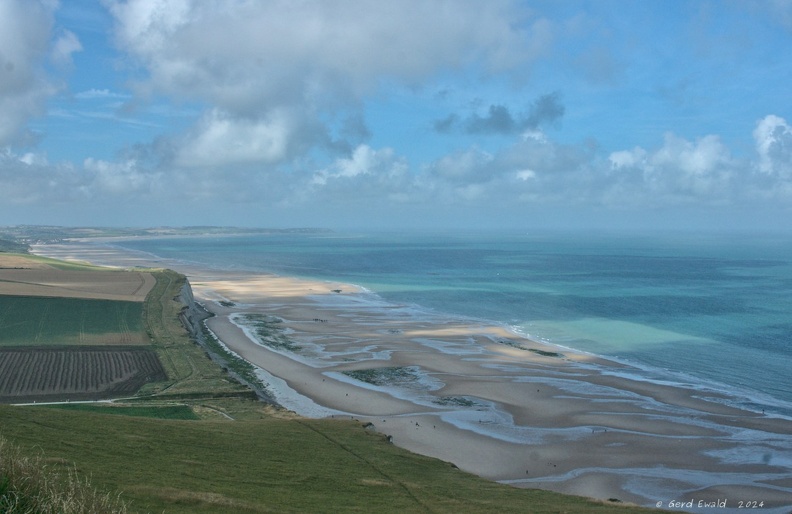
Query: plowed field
x,y
130,286
75,372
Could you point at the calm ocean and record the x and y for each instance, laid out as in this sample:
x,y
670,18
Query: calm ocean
x,y
714,311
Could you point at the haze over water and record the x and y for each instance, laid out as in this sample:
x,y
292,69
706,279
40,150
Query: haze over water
x,y
709,310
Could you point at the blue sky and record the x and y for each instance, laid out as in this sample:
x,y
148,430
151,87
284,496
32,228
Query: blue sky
x,y
644,115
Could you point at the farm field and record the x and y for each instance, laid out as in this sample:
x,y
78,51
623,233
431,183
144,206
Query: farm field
x,y
72,332
21,275
38,321
75,373
64,346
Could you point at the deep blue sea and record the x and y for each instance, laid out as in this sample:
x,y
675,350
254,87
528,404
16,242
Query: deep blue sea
x,y
712,310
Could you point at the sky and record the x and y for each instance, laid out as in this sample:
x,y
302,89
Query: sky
x,y
647,115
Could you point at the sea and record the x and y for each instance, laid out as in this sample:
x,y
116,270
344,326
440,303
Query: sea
x,y
711,311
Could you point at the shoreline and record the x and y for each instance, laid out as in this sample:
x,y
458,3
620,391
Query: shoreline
x,y
501,411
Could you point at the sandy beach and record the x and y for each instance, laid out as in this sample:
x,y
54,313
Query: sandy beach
x,y
481,397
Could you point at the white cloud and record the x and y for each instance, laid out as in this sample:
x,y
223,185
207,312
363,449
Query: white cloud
x,y
679,171
690,169
237,53
64,47
469,166
25,32
252,61
773,137
628,158
30,179
147,25
366,164
531,173
525,175
122,178
220,139
92,94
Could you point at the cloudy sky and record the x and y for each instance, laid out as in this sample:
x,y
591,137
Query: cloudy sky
x,y
369,114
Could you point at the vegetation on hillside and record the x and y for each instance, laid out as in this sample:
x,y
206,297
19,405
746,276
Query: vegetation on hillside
x,y
192,374
268,465
37,485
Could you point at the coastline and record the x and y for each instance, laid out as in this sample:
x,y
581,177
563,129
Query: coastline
x,y
493,403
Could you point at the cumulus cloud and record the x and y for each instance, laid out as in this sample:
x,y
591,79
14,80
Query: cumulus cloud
x,y
499,119
241,54
773,137
123,178
368,175
25,45
248,60
470,166
628,158
64,47
219,139
533,169
538,171
679,171
30,178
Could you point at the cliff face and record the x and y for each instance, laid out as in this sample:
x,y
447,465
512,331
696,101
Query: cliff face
x,y
192,316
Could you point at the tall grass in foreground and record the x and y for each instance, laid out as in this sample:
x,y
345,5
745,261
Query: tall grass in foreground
x,y
28,485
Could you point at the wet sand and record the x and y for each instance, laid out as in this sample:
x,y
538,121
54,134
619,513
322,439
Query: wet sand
x,y
493,403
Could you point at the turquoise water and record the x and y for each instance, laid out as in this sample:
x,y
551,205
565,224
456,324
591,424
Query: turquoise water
x,y
714,310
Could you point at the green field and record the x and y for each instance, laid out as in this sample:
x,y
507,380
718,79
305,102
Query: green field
x,y
270,465
44,321
144,411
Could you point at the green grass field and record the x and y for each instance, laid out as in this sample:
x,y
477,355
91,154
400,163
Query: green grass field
x,y
40,321
270,465
142,411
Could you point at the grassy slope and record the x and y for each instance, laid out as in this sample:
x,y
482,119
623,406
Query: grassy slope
x,y
141,411
191,373
271,465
